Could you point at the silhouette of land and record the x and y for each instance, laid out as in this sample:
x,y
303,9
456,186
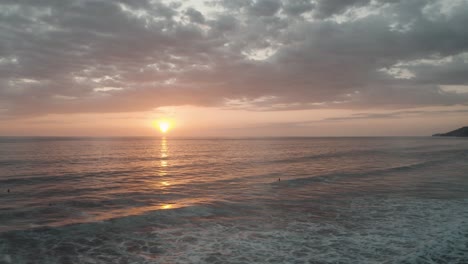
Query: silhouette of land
x,y
461,132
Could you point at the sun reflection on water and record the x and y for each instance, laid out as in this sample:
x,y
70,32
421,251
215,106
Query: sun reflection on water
x,y
164,148
166,206
164,154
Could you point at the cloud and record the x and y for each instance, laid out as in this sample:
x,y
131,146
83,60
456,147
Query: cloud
x,y
265,7
366,117
121,56
326,8
297,7
195,16
394,114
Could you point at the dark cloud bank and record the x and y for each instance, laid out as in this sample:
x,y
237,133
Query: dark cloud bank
x,y
117,56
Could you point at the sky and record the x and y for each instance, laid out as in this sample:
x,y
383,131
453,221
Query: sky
x,y
233,68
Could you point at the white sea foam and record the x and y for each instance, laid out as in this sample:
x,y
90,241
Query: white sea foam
x,y
363,230
368,231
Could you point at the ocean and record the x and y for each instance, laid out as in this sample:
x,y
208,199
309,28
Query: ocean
x,y
256,200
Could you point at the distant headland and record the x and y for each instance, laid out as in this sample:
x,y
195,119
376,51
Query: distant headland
x,y
461,132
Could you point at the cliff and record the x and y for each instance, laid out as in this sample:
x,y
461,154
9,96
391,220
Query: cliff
x,y
461,132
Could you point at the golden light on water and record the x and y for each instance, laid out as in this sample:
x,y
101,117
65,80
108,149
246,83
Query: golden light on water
x,y
165,183
166,206
163,157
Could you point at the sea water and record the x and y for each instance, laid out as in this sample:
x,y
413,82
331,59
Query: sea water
x,y
270,200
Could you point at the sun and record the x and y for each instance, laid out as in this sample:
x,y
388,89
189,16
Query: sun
x,y
163,125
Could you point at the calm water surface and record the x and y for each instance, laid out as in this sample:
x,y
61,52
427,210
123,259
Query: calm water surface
x,y
282,200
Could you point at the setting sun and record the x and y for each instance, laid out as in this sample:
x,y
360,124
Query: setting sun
x,y
163,125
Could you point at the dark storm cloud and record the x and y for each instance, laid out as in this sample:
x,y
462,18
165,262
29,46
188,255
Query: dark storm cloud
x,y
118,56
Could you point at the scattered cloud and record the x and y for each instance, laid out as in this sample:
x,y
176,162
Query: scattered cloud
x,y
389,117
395,114
124,56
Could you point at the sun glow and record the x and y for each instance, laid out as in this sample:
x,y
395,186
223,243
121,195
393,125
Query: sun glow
x,y
163,125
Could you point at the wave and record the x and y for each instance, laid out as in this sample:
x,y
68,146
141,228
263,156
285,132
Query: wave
x,y
444,153
330,177
369,230
71,177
